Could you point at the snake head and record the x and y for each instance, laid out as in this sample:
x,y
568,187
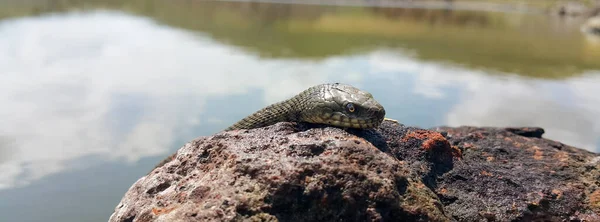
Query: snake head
x,y
344,106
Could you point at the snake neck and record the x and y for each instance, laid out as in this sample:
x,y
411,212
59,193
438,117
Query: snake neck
x,y
284,111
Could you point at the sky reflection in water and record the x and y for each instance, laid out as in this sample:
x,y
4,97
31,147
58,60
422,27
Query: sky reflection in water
x,y
82,89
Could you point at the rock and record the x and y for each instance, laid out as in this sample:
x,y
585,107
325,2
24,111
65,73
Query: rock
x,y
509,177
302,172
527,131
571,8
592,26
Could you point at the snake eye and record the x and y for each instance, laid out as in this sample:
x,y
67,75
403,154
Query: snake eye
x,y
350,107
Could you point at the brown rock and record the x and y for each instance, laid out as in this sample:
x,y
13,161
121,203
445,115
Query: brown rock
x,y
527,131
301,172
283,172
519,178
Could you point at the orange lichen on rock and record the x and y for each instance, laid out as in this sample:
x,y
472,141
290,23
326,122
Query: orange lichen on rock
x,y
432,140
436,140
537,153
595,199
159,211
485,173
443,191
456,152
561,156
558,193
418,134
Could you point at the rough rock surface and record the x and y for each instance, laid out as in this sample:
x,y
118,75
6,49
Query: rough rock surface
x,y
505,176
301,172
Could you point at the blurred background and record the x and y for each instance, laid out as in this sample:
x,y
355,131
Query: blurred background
x,y
96,92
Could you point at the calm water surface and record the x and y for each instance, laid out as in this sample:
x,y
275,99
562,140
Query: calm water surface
x,y
95,94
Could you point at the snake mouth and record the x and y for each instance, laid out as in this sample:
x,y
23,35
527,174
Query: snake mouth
x,y
342,120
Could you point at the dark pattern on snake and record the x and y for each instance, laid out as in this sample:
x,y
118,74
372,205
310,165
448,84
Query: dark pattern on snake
x,y
331,104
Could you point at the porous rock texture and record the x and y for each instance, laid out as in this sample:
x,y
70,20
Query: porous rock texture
x,y
306,172
513,174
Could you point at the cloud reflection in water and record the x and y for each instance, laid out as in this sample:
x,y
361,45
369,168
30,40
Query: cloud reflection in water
x,y
110,84
122,87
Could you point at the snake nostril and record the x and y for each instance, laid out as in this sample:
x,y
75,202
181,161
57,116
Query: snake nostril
x,y
375,111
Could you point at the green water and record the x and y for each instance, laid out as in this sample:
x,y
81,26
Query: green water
x,y
97,92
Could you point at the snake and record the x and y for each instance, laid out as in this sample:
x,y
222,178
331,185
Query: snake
x,y
333,104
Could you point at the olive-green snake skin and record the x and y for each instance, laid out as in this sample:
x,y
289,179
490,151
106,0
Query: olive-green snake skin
x,y
331,104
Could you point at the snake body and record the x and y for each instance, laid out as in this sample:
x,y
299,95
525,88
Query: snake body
x,y
332,104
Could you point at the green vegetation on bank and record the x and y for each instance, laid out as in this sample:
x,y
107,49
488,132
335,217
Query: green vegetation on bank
x,y
523,44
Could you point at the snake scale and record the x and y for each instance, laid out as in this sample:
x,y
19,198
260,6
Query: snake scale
x,y
331,104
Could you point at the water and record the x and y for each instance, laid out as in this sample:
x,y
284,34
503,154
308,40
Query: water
x,y
95,93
